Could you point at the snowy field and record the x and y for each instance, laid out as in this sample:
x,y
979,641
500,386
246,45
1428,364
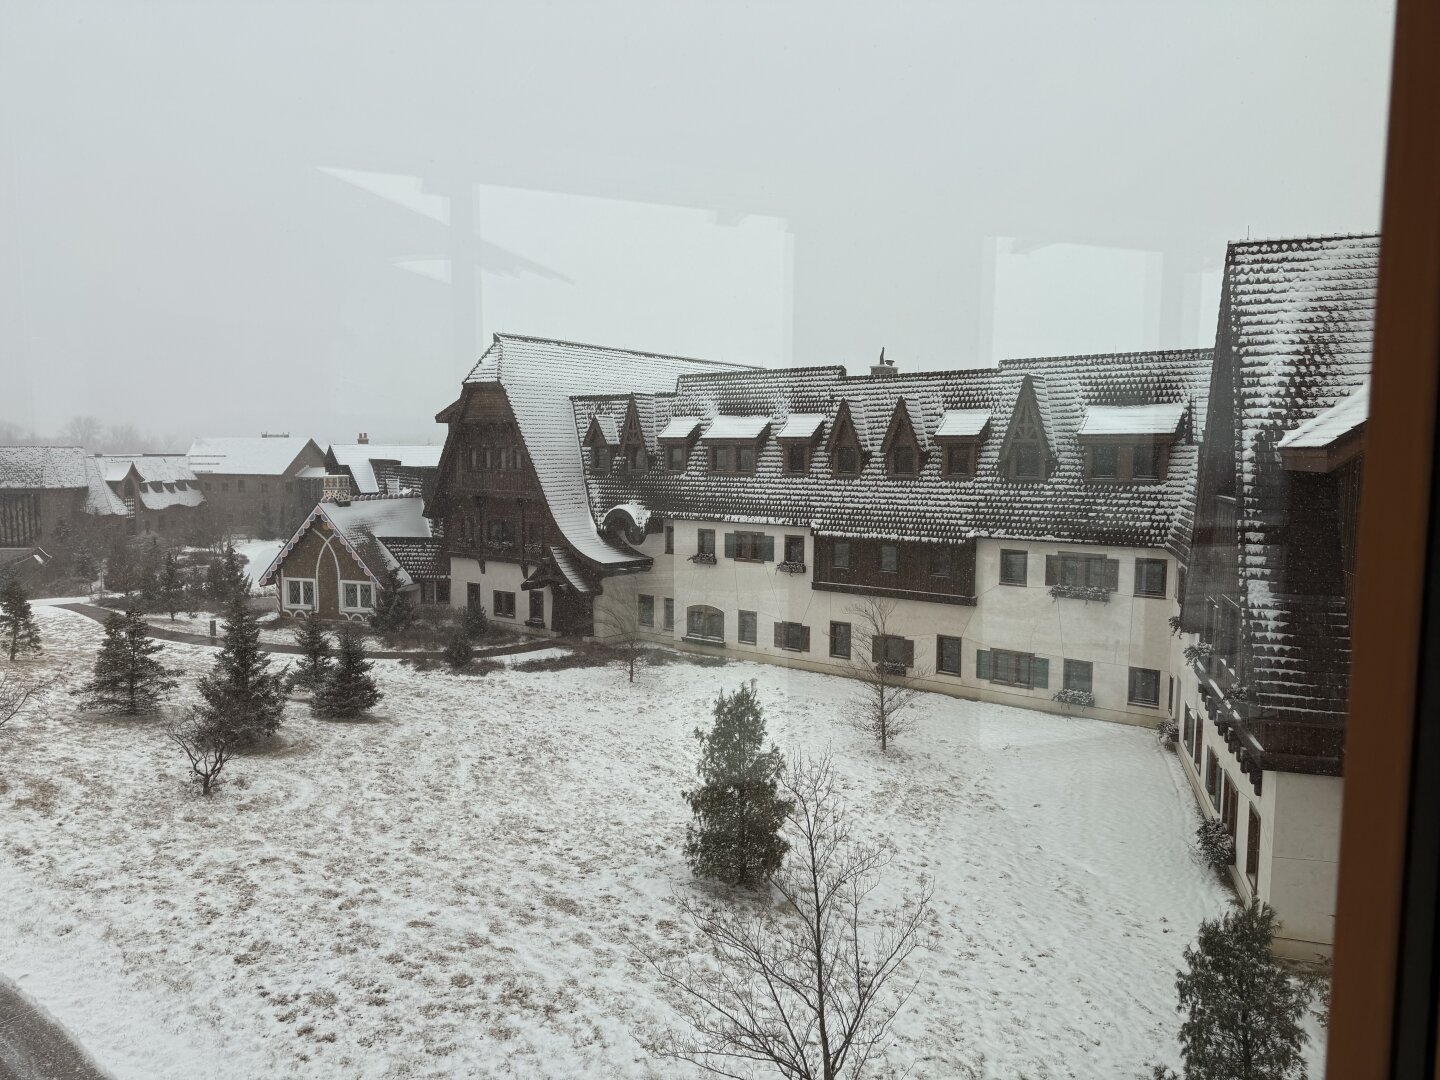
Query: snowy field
x,y
457,888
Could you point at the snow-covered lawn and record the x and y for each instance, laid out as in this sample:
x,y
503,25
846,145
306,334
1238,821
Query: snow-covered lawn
x,y
259,555
456,889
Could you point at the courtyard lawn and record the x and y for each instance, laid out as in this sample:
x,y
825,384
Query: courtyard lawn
x,y
458,888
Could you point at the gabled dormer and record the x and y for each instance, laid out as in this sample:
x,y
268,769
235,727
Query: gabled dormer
x,y
960,435
1025,455
847,452
1129,443
677,439
634,457
798,437
602,440
901,448
733,443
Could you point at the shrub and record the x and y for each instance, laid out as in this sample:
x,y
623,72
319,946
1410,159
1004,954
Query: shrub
x,y
459,652
1214,844
476,622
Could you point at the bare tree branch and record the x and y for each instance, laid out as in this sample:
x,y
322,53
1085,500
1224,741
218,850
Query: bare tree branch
x,y
619,623
881,706
208,746
16,692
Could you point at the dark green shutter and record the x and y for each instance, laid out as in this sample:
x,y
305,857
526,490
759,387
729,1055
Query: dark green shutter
x,y
1112,574
982,663
729,545
1052,569
779,635
804,639
909,653
767,549
877,648
1040,673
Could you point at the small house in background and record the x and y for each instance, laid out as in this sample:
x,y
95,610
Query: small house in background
x,y
42,487
259,486
160,491
339,559
383,469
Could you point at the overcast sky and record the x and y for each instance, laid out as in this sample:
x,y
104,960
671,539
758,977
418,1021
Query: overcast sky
x,y
222,218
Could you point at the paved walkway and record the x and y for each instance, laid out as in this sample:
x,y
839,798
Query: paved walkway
x,y
35,1047
100,614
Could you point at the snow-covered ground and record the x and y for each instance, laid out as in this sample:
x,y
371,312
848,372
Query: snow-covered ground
x,y
259,555
457,888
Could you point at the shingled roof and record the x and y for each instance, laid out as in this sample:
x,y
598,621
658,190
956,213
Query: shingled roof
x,y
539,376
262,455
368,525
59,468
929,507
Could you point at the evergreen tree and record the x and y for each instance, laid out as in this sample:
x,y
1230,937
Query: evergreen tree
x,y
241,697
394,610
458,650
225,580
1243,1009
121,570
18,632
315,661
738,809
148,570
170,586
128,679
349,689
476,622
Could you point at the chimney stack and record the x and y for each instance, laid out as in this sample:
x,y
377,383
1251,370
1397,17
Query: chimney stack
x,y
884,369
363,438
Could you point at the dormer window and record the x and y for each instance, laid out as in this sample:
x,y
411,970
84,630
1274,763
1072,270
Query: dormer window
x,y
735,460
1025,454
797,438
675,458
1025,461
1144,461
1129,443
1104,462
960,460
733,442
847,461
902,461
960,433
797,458
600,459
846,457
901,445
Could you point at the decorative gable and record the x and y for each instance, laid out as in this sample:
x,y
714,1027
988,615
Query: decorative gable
x,y
847,452
633,454
901,447
1025,455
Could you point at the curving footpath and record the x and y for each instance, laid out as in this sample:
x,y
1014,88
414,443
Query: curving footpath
x,y
34,1047
100,614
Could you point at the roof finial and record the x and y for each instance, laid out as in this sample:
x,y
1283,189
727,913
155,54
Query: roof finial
x,y
882,354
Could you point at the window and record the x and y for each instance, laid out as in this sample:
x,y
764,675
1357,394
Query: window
x,y
1014,567
703,623
902,461
669,613
1012,668
472,595
947,654
897,652
840,640
732,460
537,608
1144,461
1199,739
1144,687
647,610
240,484
705,541
1252,849
1093,571
1212,778
442,592
749,547
600,459
794,549
300,592
1187,732
669,539
1080,675
847,461
1150,577
889,559
1104,462
1025,462
840,555
940,561
356,595
504,604
747,633
744,459
797,458
792,636
675,458
960,460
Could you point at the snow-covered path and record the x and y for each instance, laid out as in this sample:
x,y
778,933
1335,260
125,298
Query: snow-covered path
x,y
458,888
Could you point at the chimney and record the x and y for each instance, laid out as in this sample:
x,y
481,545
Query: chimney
x,y
363,438
885,369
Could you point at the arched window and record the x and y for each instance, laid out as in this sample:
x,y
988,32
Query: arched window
x,y
705,622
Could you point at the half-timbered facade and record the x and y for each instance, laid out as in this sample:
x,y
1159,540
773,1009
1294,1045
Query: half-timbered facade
x,y
1266,607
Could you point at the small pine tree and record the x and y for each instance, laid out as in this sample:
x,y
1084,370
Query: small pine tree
x,y
1243,1009
349,689
241,697
315,660
476,622
18,631
394,609
458,650
738,810
170,586
121,569
226,580
128,679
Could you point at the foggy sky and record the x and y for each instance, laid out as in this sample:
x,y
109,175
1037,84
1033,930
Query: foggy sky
x,y
221,218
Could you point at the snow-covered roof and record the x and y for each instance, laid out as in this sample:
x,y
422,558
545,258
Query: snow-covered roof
x,y
801,426
680,427
153,468
962,423
607,427
1332,424
736,427
99,499
572,573
1160,419
361,458
55,467
364,524
264,455
539,377
312,472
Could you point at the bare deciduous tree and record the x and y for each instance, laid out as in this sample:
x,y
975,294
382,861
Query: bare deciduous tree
x,y
207,746
16,692
619,623
805,988
882,663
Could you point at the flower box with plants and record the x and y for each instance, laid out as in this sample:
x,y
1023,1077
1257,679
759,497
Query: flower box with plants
x,y
1080,592
703,558
1082,698
791,567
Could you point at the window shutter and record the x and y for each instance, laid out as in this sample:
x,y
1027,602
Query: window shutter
x,y
1040,673
877,648
982,664
767,549
779,634
804,639
1052,569
1112,574
909,652
729,545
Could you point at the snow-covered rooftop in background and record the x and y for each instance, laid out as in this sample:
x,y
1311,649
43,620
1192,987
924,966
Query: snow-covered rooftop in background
x,y
801,426
962,423
1132,419
736,427
263,455
152,468
359,459
539,376
1333,423
680,427
42,467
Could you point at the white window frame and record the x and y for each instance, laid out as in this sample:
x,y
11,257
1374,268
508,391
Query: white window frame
x,y
360,587
285,581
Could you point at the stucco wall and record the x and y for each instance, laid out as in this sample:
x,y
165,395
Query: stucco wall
x,y
497,575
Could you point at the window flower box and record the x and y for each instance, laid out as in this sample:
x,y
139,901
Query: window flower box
x,y
1083,698
1198,655
1080,592
791,567
703,558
